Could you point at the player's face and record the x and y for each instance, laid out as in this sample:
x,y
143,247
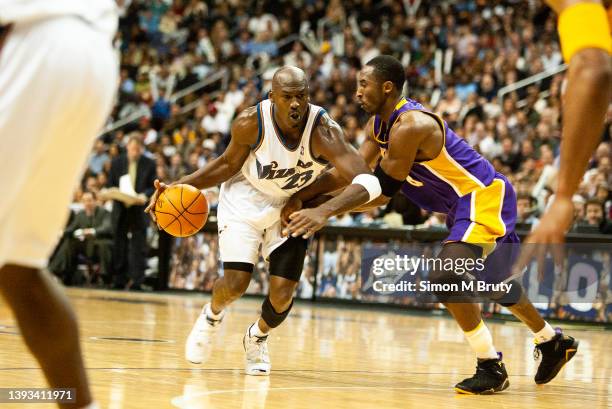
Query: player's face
x,y
369,92
291,103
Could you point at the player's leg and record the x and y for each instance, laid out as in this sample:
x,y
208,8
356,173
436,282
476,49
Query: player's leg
x,y
286,264
555,347
48,325
475,227
230,287
42,64
238,265
491,375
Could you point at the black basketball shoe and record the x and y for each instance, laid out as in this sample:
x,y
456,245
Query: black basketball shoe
x,y
490,377
555,353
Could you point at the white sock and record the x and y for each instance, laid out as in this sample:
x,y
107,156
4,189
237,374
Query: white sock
x,y
92,405
545,334
210,314
481,341
255,331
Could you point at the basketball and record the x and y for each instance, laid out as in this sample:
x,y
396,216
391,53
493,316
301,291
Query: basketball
x,y
181,210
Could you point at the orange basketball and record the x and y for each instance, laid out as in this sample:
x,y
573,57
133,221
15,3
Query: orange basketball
x,y
181,210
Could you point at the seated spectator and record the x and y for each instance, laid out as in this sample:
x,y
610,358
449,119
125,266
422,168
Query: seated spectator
x,y
88,235
579,206
594,217
526,208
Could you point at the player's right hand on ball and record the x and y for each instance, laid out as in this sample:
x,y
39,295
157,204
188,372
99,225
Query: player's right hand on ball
x,y
159,187
293,205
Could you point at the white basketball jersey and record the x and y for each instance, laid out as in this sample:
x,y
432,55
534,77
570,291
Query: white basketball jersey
x,y
276,169
101,14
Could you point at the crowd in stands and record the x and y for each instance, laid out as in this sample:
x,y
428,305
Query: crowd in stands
x,y
458,56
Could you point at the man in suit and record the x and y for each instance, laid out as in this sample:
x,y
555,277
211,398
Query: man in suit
x,y
88,233
130,222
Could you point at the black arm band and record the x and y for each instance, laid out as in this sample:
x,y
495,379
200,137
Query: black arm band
x,y
389,185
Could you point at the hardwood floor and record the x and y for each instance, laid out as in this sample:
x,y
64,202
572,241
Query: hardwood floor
x,y
322,356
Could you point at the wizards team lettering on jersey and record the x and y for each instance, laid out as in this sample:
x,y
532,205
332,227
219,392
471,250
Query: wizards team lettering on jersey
x,y
273,167
480,203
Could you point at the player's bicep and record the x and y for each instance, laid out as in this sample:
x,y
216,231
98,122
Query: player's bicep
x,y
398,166
333,147
394,167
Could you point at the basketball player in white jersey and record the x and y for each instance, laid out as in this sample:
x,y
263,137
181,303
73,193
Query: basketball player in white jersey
x,y
58,76
277,148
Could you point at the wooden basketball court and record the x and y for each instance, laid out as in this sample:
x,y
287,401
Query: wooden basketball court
x,y
322,356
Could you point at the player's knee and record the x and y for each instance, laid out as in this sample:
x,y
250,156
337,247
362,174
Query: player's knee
x,y
510,297
593,66
281,297
446,286
441,276
237,286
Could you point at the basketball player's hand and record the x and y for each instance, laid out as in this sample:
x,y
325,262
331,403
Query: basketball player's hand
x,y
293,205
159,187
306,222
549,235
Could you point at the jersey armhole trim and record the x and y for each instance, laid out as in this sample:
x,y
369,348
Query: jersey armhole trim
x,y
260,130
314,126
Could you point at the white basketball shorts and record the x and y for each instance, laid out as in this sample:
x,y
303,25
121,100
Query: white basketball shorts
x,y
247,219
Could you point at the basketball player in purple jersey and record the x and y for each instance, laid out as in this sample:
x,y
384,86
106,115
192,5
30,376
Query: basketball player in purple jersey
x,y
415,151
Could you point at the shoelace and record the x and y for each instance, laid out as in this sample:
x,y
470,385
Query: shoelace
x,y
260,340
261,347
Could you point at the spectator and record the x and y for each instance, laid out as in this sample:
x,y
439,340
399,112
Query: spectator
x,y
88,234
98,158
593,213
130,222
579,207
526,208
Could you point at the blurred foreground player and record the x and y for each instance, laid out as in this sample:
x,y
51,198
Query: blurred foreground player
x,y
277,148
584,33
414,150
58,75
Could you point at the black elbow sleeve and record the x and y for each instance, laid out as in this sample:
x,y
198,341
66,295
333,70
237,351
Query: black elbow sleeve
x,y
389,185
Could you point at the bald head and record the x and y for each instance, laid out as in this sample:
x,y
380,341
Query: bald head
x,y
290,96
289,77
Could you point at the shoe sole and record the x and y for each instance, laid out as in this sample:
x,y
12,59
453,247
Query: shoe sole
x,y
569,354
193,362
491,391
257,372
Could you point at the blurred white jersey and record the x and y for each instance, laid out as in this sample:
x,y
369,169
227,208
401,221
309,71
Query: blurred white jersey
x,y
275,168
58,76
100,14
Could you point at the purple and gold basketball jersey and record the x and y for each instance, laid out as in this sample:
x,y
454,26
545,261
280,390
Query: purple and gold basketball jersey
x,y
479,202
437,184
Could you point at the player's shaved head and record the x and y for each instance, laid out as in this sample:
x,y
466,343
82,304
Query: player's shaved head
x,y
290,96
289,77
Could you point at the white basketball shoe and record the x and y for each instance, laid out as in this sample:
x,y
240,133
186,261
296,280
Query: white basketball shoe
x,y
257,355
198,347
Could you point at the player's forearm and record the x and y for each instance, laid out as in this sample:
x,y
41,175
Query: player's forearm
x,y
353,196
586,101
327,182
212,174
381,200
